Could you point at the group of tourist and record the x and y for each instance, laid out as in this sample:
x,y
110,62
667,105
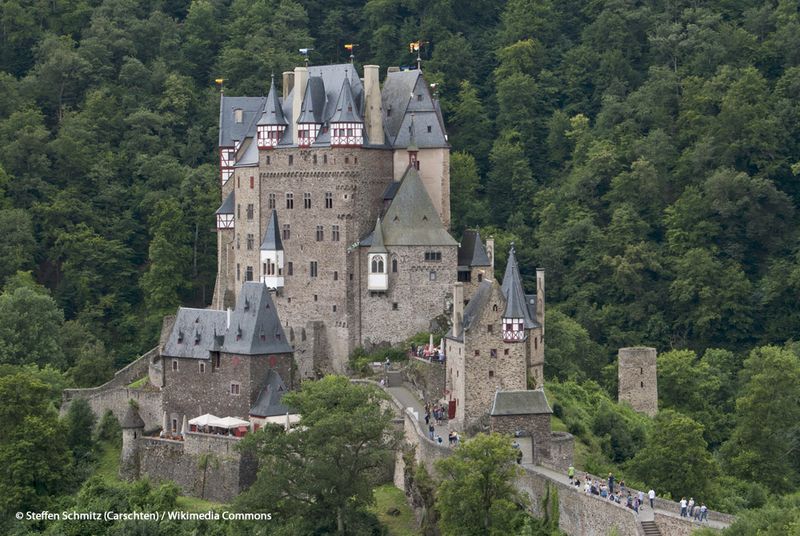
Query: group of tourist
x,y
426,351
691,510
437,411
617,492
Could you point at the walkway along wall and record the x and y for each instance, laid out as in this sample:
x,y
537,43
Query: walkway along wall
x,y
115,393
580,514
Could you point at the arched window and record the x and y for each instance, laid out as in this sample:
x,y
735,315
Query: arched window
x,y
394,266
377,265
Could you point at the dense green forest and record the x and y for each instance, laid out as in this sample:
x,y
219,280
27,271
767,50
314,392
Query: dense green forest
x,y
645,153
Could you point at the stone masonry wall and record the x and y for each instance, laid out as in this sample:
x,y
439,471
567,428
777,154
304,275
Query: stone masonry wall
x,y
538,426
638,380
413,298
427,377
179,461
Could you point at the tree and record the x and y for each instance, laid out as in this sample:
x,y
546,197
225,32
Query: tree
x,y
467,208
675,459
476,493
79,424
206,461
17,243
30,325
321,474
764,444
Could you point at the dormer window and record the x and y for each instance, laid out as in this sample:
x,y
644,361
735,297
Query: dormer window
x,y
180,337
238,115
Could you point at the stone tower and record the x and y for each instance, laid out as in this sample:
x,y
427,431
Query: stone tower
x,y
132,429
638,379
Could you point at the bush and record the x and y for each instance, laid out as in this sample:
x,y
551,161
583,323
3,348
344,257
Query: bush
x,y
109,429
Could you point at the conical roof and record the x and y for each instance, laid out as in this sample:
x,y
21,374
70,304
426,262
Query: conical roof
x,y
273,112
516,306
255,328
346,109
272,238
131,419
377,239
313,101
472,251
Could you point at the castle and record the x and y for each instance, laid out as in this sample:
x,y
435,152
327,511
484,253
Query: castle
x,y
336,195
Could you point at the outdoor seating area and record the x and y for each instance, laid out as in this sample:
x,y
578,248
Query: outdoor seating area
x,y
211,424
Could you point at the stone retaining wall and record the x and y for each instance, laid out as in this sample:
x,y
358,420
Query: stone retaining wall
x,y
427,377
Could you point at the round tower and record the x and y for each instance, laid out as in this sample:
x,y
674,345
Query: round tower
x,y
638,379
132,429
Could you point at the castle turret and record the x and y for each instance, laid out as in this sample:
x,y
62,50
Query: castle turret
x,y
309,119
272,123
132,429
346,125
516,311
272,254
377,260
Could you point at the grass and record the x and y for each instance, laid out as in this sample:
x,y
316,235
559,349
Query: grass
x,y
194,504
138,384
386,497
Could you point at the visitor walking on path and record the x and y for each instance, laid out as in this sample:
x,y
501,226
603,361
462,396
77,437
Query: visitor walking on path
x,y
641,498
610,483
683,506
571,474
652,496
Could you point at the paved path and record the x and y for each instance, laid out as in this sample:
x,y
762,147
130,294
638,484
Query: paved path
x,y
408,399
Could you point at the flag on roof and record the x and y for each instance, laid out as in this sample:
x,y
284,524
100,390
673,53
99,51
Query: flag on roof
x,y
349,46
413,47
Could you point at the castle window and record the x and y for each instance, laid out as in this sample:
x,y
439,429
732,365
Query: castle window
x,y
324,159
291,160
432,275
490,328
346,159
388,112
238,115
268,160
271,201
315,297
419,97
202,368
250,240
250,211
238,241
289,269
377,265
239,211
429,128
235,389
174,365
335,233
394,306
494,307
355,160
248,273
174,426
394,266
306,200
238,182
351,277
535,343
252,182
286,231
336,276
493,353
491,374
505,352
641,371
320,233
464,276
477,353
289,200
314,159
328,199
480,277
433,256
641,384
238,272
313,269
215,362
334,308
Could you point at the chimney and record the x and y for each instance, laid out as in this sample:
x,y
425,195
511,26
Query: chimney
x,y
458,309
540,297
228,316
490,251
288,83
300,83
372,105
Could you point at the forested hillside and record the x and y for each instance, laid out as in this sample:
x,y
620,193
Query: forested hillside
x,y
645,153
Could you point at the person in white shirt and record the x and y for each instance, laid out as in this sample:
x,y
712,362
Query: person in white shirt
x,y
652,496
683,507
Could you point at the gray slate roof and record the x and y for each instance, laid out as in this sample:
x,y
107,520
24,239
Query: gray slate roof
x,y
474,308
400,94
227,206
377,245
531,402
195,333
255,327
273,111
472,252
272,237
517,303
229,130
247,156
346,110
313,107
131,419
411,219
270,400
